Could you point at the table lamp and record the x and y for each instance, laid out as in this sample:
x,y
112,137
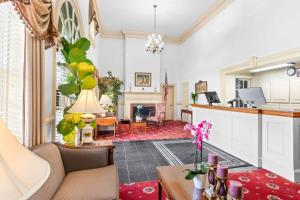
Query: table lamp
x,y
105,101
87,104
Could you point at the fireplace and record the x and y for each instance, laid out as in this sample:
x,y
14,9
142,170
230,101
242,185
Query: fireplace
x,y
140,98
145,111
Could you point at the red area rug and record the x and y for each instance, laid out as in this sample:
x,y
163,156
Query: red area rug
x,y
172,130
142,190
262,184
258,185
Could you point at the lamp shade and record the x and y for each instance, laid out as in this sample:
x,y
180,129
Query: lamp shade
x,y
86,103
105,100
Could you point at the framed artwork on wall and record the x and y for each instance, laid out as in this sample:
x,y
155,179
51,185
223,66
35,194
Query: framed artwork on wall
x,y
201,87
142,79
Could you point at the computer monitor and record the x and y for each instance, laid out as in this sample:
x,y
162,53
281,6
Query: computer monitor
x,y
252,95
212,97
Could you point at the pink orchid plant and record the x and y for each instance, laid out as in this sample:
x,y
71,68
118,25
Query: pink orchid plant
x,y
199,132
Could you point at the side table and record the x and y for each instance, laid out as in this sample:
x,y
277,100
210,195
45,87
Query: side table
x,y
106,121
186,111
134,125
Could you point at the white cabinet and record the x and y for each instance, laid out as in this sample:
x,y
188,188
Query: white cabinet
x,y
266,88
295,91
280,91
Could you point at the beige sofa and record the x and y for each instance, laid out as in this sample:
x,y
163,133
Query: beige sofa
x,y
55,172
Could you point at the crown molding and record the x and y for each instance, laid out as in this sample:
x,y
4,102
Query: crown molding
x,y
203,19
114,35
143,35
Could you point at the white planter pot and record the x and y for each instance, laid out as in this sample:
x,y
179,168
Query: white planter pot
x,y
138,118
200,181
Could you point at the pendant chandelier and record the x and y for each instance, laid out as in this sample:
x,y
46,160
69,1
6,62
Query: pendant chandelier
x,y
155,43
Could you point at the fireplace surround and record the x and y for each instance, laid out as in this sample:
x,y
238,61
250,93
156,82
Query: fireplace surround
x,y
140,98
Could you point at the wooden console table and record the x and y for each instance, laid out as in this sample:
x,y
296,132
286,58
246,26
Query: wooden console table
x,y
190,112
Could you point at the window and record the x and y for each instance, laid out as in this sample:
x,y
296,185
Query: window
x,y
12,43
241,83
68,27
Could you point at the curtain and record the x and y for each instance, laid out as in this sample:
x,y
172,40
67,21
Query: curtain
x,y
93,22
34,93
38,17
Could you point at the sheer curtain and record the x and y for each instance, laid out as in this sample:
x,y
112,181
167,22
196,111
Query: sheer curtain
x,y
12,42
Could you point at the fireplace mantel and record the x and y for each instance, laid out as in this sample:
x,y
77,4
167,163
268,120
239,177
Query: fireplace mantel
x,y
140,97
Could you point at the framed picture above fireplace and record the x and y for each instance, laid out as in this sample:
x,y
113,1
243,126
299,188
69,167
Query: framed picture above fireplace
x,y
142,79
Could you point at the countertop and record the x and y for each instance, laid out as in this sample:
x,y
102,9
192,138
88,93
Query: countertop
x,y
286,112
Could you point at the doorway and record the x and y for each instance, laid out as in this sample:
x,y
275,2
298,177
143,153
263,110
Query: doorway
x,y
170,104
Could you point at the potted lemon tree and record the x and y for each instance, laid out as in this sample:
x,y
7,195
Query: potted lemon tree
x,y
81,74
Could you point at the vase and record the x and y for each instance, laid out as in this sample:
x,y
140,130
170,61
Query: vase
x,y
87,134
138,118
200,181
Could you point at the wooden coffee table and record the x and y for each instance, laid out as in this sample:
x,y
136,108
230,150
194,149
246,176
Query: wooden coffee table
x,y
134,125
172,182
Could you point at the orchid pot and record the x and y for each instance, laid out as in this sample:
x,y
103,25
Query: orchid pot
x,y
200,181
138,117
199,175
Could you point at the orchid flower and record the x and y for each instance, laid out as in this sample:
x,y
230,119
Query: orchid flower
x,y
202,130
199,132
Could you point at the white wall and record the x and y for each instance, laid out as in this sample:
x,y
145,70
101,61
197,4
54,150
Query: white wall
x,y
110,56
138,60
244,29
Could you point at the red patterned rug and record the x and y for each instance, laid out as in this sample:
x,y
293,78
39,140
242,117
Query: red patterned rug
x,y
262,184
172,130
258,185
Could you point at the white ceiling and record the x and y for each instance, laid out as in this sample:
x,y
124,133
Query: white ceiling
x,y
173,16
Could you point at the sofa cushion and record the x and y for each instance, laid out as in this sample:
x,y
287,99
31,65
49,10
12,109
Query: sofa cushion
x,y
50,153
21,169
92,184
83,158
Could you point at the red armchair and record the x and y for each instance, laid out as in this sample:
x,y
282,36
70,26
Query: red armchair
x,y
159,116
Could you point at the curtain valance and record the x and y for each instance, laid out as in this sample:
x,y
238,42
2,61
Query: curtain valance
x,y
38,17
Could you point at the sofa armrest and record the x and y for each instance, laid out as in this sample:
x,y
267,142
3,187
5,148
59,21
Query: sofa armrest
x,y
81,158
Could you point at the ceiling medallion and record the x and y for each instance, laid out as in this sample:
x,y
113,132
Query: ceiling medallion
x,y
155,43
